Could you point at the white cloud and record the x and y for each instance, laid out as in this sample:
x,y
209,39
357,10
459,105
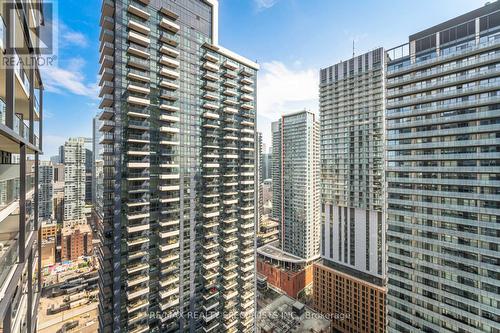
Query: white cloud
x,y
282,89
265,4
71,79
69,37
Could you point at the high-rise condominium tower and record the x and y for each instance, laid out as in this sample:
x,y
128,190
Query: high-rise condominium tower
x,y
178,128
259,179
74,181
352,226
46,190
21,100
296,183
443,171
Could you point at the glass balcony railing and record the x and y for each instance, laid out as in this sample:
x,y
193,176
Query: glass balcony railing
x,y
9,225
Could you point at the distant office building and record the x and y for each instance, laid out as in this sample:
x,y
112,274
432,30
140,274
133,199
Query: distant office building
x,y
55,159
61,154
443,172
89,164
49,230
286,263
259,177
74,181
276,170
296,201
58,193
352,226
267,196
58,172
267,165
46,190
76,241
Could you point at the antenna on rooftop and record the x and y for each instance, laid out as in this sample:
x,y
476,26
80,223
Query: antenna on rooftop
x,y
353,48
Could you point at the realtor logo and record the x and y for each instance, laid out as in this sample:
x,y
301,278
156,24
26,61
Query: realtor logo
x,y
28,33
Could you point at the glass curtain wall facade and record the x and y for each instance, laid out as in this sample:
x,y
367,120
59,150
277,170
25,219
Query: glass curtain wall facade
x,y
46,190
296,144
21,93
178,135
352,147
443,164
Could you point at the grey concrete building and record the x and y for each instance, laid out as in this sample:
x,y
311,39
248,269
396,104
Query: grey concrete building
x,y
178,134
296,201
443,172
260,179
46,190
75,156
352,147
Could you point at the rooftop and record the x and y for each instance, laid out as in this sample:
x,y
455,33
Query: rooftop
x,y
288,315
273,252
79,228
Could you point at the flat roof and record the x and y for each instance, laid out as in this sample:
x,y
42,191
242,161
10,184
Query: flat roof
x,y
279,316
82,228
484,10
273,252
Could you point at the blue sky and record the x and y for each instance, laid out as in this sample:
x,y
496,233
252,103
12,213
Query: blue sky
x,y
291,39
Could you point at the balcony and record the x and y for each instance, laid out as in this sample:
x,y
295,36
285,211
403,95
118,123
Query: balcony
x,y
211,58
169,38
246,81
106,114
138,89
164,60
170,246
106,36
137,268
247,89
138,101
169,85
169,292
139,12
247,106
169,223
138,280
169,73
106,101
169,303
169,51
137,317
211,77
169,25
139,27
247,98
107,87
132,307
108,8
211,106
138,38
230,74
137,292
169,129
170,281
230,64
211,67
